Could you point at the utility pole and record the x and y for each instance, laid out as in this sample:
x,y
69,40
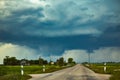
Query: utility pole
x,y
89,59
50,58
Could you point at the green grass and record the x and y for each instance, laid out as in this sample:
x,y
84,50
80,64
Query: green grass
x,y
13,72
35,69
115,76
112,68
15,76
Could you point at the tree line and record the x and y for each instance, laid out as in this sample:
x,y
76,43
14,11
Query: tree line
x,y
40,61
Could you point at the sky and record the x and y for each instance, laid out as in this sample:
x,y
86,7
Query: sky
x,y
60,28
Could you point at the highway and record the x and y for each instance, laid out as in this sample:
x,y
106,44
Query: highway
x,y
78,72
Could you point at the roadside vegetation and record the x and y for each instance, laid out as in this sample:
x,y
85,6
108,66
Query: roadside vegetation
x,y
12,71
111,68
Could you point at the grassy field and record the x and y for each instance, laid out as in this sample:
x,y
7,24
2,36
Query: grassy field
x,y
112,68
13,72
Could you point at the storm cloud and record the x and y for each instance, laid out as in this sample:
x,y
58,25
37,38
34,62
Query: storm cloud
x,y
53,27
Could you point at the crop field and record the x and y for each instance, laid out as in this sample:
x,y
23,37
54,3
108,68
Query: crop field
x,y
111,68
14,72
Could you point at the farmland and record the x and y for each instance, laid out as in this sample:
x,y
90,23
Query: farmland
x,y
11,69
13,72
111,68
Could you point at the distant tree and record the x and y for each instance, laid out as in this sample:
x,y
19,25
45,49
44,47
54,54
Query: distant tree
x,y
36,62
32,62
41,61
45,62
74,62
13,61
70,60
57,62
10,61
60,61
6,60
65,63
18,62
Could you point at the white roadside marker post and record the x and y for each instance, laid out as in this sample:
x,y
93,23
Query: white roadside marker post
x,y
43,68
105,67
22,72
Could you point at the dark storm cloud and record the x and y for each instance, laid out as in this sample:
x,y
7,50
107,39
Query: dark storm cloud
x,y
57,45
110,37
55,26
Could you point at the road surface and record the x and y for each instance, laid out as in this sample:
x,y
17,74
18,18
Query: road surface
x,y
77,72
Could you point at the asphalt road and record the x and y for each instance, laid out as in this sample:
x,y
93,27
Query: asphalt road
x,y
77,72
